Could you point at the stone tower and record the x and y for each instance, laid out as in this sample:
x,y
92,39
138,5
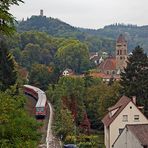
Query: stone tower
x,y
121,53
41,12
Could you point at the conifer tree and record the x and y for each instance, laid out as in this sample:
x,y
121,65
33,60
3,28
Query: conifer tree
x,y
134,79
8,73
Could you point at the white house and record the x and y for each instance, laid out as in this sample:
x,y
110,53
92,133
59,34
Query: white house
x,y
67,72
133,136
122,113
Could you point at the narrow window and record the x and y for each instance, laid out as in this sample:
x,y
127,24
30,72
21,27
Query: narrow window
x,y
124,52
136,118
108,72
120,52
125,118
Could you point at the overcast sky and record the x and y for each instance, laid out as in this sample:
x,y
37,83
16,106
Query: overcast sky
x,y
87,13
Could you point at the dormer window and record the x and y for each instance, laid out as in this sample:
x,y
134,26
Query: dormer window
x,y
125,118
111,113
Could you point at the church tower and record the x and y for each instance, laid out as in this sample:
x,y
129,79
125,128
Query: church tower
x,y
121,53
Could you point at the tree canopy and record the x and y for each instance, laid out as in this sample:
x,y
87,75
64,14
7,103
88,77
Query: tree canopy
x,y
7,22
134,79
73,55
8,74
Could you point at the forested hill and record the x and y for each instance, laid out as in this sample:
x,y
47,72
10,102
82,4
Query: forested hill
x,y
135,35
97,40
50,25
57,28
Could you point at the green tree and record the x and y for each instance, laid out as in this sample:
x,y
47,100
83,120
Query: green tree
x,y
97,100
39,76
17,129
73,55
8,74
64,124
134,79
6,18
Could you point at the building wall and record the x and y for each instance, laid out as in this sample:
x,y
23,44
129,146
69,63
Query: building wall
x,y
106,137
127,140
118,123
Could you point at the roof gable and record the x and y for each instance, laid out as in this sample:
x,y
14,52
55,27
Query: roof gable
x,y
108,64
120,105
140,131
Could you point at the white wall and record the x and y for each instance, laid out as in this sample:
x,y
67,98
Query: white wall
x,y
106,137
118,123
127,140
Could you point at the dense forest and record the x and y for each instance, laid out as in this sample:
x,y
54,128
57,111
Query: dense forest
x,y
97,40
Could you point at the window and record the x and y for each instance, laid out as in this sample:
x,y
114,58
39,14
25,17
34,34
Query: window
x,y
113,72
124,52
108,72
120,52
39,109
125,118
136,118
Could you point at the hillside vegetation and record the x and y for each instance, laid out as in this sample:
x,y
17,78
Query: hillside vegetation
x,y
135,35
97,40
57,28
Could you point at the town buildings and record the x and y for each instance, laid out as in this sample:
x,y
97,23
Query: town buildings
x,y
112,66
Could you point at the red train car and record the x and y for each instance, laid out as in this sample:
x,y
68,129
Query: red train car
x,y
40,96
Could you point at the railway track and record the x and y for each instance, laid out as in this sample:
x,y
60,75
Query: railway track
x,y
47,140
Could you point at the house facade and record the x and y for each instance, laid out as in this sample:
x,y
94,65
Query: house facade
x,y
122,113
67,72
133,136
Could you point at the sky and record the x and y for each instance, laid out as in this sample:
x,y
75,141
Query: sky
x,y
92,14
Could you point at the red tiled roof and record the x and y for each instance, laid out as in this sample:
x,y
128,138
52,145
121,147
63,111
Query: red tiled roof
x,y
140,131
108,64
104,76
121,39
121,104
100,75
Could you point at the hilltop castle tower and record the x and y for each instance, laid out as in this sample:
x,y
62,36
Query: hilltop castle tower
x,y
41,12
121,53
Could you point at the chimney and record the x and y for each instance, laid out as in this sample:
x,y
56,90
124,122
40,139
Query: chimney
x,y
134,99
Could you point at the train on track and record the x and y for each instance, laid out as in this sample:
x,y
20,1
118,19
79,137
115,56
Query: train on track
x,y
40,96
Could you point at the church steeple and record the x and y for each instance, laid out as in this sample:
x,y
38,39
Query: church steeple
x,y
121,53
